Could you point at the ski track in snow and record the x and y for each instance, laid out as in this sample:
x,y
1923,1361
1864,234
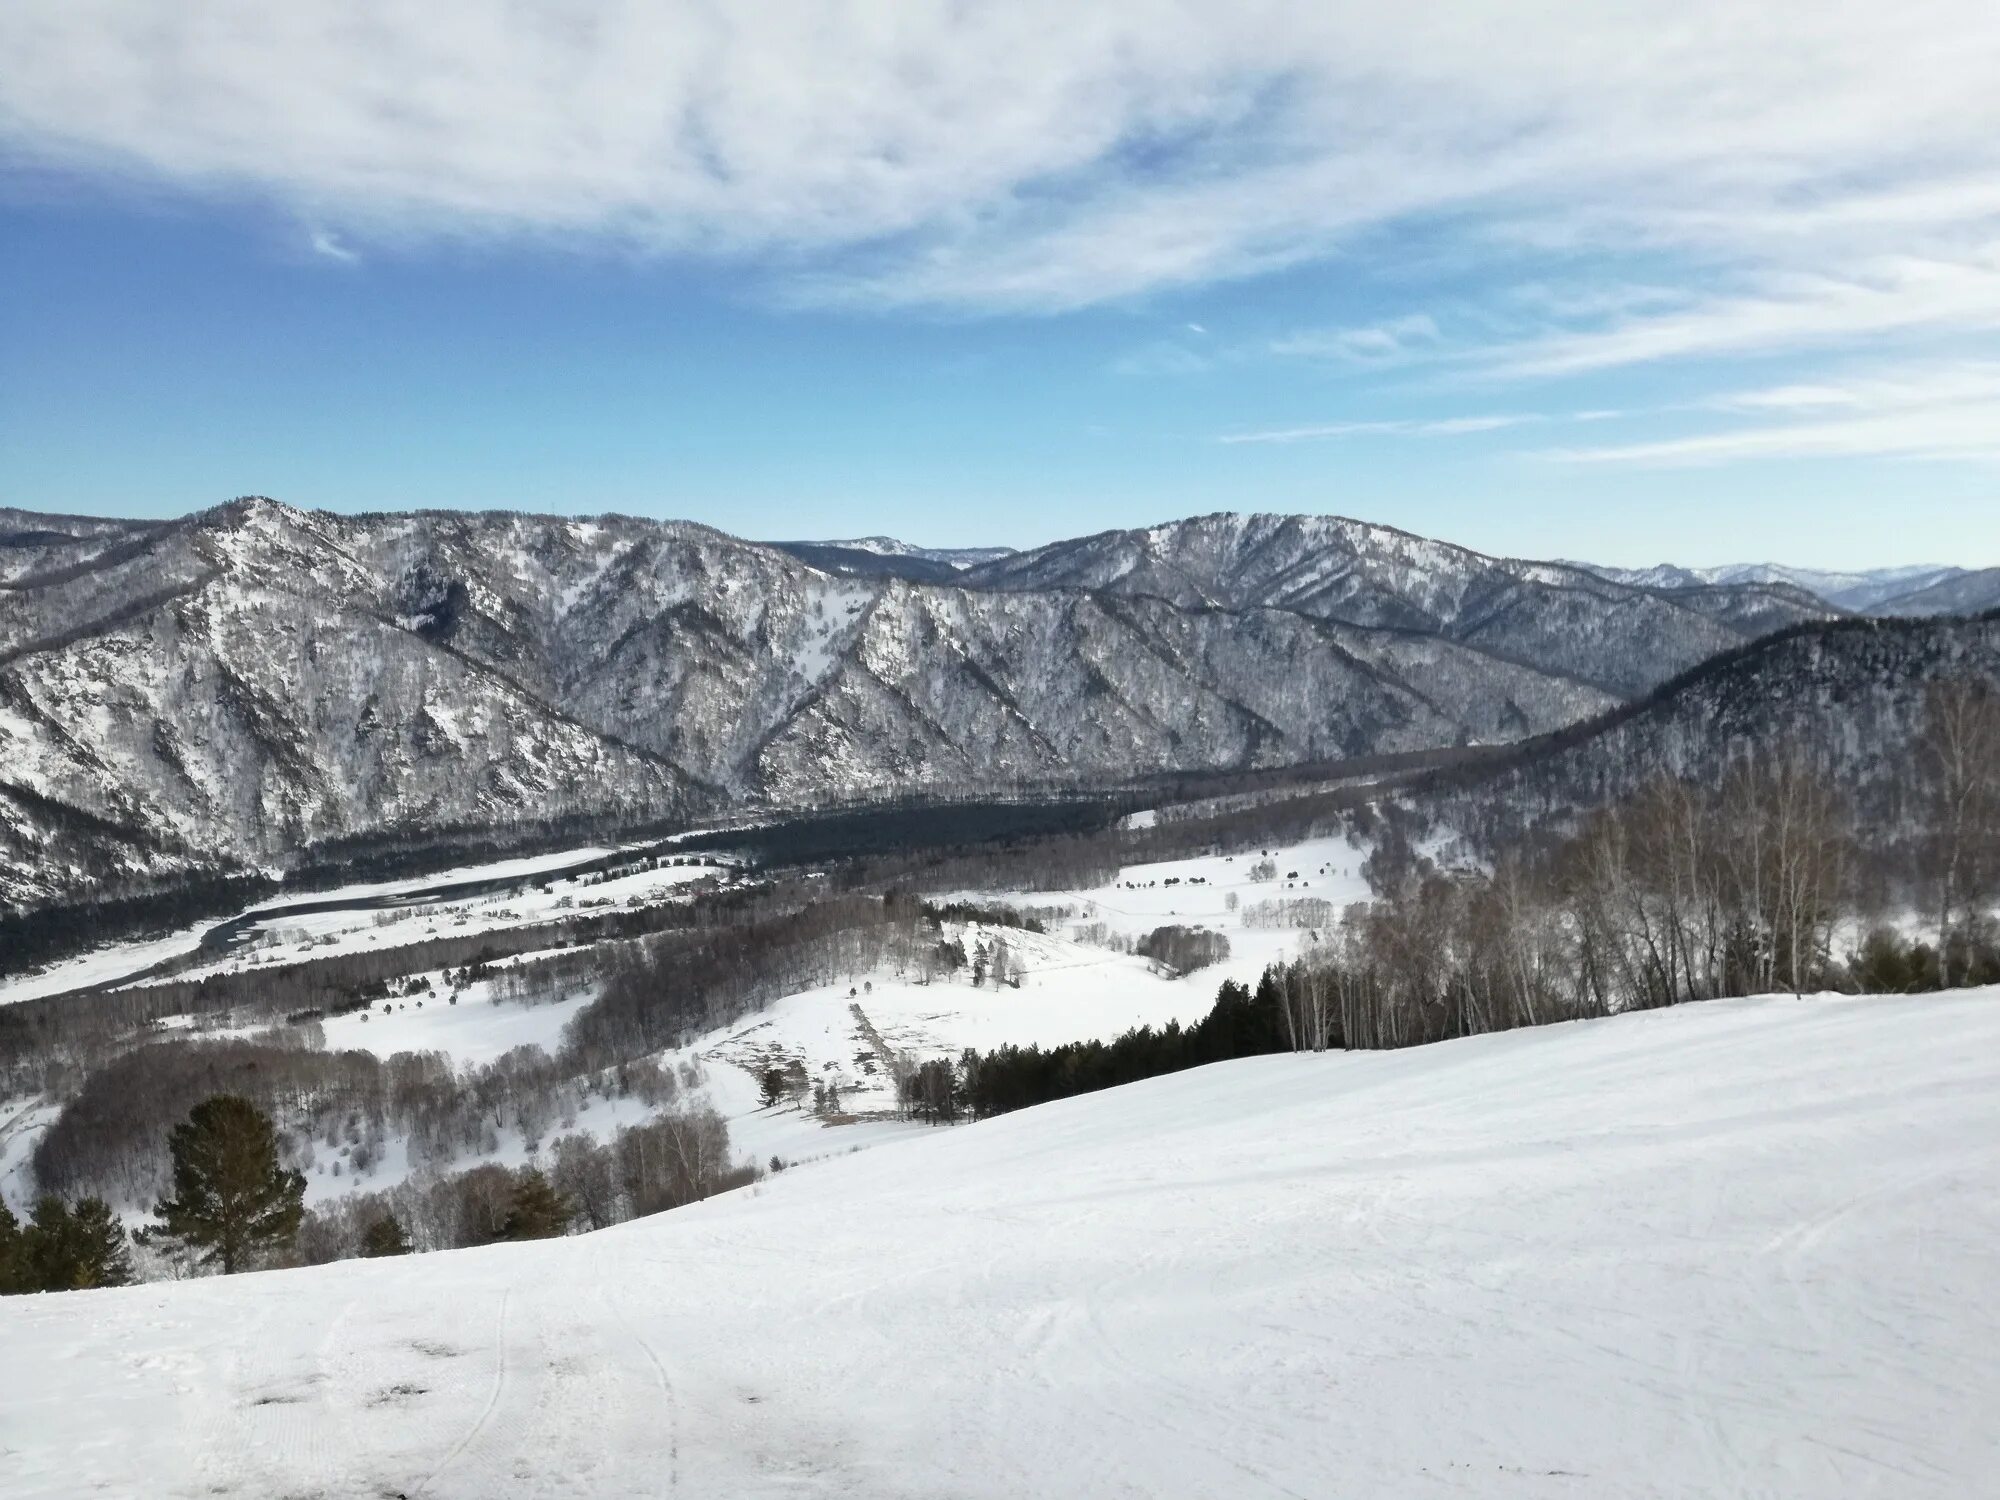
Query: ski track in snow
x,y
1742,1248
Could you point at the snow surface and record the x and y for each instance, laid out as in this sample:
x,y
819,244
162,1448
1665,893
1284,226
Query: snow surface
x,y
1068,992
531,864
288,936
22,1122
477,1029
1742,1248
1140,900
101,964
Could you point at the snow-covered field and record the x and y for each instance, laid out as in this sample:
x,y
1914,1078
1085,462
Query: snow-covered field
x,y
101,965
1068,992
475,1030
290,937
1200,895
285,935
1743,1248
504,869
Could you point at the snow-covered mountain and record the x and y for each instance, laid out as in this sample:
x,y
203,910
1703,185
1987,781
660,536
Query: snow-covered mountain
x,y
1850,694
1957,592
885,557
255,682
888,546
1559,618
234,688
1870,591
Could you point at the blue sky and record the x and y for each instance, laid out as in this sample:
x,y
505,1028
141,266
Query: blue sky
x,y
1662,292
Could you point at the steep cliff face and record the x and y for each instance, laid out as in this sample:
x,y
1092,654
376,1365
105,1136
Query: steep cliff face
x,y
236,686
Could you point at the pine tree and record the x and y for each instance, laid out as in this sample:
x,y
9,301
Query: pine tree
x,y
13,1254
74,1249
106,1258
232,1201
385,1237
538,1211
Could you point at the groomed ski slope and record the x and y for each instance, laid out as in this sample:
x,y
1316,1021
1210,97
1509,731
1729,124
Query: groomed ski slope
x,y
1745,1248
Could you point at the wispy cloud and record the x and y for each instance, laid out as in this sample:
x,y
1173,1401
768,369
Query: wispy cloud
x,y
1941,412
1042,155
1893,296
1437,427
1377,343
328,245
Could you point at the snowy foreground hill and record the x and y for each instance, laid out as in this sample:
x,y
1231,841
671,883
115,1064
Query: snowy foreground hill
x,y
1743,1248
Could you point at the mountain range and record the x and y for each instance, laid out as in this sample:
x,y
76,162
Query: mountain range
x,y
1922,589
1908,591
253,684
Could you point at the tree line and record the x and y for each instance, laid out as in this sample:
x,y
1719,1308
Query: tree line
x,y
1242,1023
1684,891
577,1184
232,1205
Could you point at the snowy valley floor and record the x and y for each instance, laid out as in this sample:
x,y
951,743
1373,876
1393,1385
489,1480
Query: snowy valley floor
x,y
1738,1249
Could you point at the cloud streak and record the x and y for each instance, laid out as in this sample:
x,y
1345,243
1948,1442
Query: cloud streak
x,y
1941,412
1400,427
327,245
1893,297
1043,156
1401,338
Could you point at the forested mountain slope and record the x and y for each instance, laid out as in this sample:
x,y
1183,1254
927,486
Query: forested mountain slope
x,y
242,685
1868,591
1961,593
255,680
1558,618
1848,696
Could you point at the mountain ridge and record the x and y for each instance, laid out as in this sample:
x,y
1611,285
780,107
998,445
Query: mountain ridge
x,y
1847,694
1361,572
236,685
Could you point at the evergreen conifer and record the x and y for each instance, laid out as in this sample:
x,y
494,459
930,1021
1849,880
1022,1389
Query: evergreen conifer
x,y
232,1201
385,1237
71,1249
538,1211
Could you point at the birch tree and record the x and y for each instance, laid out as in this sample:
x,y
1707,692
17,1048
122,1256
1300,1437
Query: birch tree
x,y
1958,752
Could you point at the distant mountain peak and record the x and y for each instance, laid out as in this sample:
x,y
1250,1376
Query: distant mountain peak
x,y
889,546
1905,589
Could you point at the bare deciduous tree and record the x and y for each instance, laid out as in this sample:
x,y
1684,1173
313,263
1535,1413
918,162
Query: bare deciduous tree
x,y
1958,751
